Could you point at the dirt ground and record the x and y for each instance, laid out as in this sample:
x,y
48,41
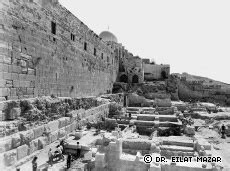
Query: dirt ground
x,y
211,134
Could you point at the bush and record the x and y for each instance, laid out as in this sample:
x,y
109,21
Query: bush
x,y
115,109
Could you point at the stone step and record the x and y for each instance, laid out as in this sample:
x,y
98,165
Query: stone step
x,y
169,124
144,123
132,112
164,108
148,110
168,154
171,118
186,143
133,108
149,117
156,123
176,148
145,117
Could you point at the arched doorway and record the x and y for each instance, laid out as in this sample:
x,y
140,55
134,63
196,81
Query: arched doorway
x,y
124,79
164,75
135,79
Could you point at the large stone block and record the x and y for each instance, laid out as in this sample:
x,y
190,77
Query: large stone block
x,y
14,113
62,122
202,143
87,113
5,144
16,140
189,130
26,136
146,117
77,114
169,111
53,125
136,144
61,133
22,151
68,120
3,105
53,136
38,131
163,102
33,146
73,126
10,157
100,160
42,142
68,129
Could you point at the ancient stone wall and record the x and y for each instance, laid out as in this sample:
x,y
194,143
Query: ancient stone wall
x,y
131,69
37,122
187,92
44,50
156,72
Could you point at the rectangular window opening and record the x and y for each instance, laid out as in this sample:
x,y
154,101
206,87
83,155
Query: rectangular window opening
x,y
53,27
95,52
102,55
85,46
72,37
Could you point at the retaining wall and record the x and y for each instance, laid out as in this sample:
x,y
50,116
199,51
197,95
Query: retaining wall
x,y
19,145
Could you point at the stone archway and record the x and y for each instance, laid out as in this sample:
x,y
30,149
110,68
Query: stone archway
x,y
164,75
124,78
135,79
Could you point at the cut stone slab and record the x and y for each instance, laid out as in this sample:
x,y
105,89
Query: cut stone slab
x,y
26,136
14,113
88,156
68,129
38,131
10,157
73,126
187,143
53,126
22,151
176,148
5,144
169,124
16,140
163,102
169,111
144,123
62,122
204,143
133,108
68,120
100,160
145,117
42,142
53,136
33,146
189,130
61,133
136,144
170,118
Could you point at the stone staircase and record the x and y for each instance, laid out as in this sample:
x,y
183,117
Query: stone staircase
x,y
147,120
177,148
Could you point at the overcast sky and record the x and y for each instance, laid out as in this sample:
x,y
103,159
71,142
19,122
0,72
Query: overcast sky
x,y
192,36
